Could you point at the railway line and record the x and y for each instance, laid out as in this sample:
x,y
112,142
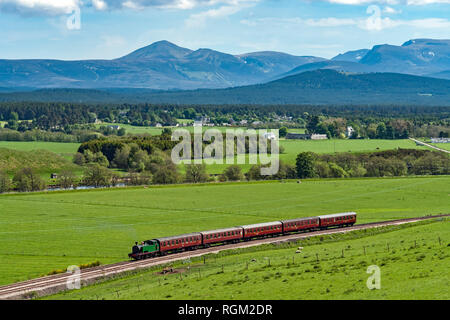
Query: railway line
x,y
55,283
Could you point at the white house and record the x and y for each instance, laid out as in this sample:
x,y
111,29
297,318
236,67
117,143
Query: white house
x,y
350,131
319,137
270,136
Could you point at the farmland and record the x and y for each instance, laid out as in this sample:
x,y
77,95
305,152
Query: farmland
x,y
64,149
43,162
445,146
413,262
42,232
291,148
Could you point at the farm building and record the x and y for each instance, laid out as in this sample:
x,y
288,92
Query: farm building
x,y
440,140
298,136
304,136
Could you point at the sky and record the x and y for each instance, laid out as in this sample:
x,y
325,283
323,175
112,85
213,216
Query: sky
x,y
108,29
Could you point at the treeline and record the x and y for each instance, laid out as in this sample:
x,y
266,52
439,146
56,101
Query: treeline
x,y
59,116
400,162
48,136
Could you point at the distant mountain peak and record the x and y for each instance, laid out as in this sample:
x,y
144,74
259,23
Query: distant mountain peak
x,y
426,42
159,50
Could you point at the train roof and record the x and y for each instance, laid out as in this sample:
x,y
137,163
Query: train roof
x,y
337,215
194,234
298,219
222,230
260,225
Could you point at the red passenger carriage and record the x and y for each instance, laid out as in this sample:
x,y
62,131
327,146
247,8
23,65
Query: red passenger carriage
x,y
222,235
300,224
262,229
182,242
338,220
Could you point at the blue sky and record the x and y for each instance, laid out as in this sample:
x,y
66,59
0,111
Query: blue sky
x,y
112,28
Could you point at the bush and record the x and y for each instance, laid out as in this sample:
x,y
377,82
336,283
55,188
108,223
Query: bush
x,y
196,173
233,173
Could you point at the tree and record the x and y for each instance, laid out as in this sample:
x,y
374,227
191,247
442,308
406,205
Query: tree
x,y
166,173
97,176
283,132
66,179
101,159
196,173
312,123
5,182
79,159
305,165
381,130
121,132
138,160
27,180
121,157
337,171
254,173
233,173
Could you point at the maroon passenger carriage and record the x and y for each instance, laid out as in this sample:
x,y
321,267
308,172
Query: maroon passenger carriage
x,y
300,224
182,242
222,236
262,229
337,220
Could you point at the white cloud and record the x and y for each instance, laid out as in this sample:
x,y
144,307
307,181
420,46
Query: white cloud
x,y
388,2
59,7
47,7
199,19
373,23
390,10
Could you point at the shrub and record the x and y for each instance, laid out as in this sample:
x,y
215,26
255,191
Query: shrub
x,y
233,173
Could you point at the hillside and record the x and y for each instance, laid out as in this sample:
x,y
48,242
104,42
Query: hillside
x,y
43,161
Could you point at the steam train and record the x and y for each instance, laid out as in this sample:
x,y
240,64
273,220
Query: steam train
x,y
204,239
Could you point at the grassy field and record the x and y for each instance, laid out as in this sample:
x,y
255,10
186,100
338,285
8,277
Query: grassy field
x,y
293,147
46,231
413,262
64,149
43,162
445,146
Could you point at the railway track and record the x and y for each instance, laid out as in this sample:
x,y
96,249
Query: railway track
x,y
55,283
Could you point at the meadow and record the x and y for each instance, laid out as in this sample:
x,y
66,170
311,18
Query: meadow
x,y
66,150
41,161
291,148
413,262
41,232
445,146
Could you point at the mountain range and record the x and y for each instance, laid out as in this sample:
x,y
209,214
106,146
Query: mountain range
x,y
166,66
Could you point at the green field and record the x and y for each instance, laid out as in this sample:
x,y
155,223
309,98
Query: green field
x,y
413,263
445,146
41,161
64,149
293,147
46,231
